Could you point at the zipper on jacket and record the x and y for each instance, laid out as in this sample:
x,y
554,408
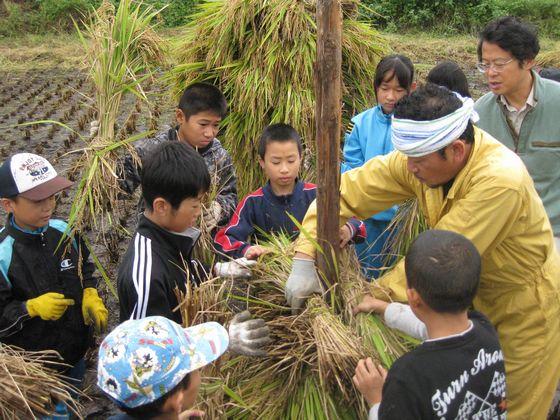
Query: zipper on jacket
x,y
43,241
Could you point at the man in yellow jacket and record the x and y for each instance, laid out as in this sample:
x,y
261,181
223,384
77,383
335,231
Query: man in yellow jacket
x,y
466,182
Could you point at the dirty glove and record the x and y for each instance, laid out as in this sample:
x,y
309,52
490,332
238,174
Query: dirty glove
x,y
302,283
236,268
49,307
93,128
248,336
212,216
93,310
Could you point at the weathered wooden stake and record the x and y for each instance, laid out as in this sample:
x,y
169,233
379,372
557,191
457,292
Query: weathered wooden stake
x,y
328,119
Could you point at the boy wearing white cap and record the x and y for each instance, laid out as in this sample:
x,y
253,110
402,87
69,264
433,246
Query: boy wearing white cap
x,y
48,296
467,182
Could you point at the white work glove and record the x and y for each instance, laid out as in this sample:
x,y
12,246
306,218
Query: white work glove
x,y
248,336
93,128
212,216
302,283
240,267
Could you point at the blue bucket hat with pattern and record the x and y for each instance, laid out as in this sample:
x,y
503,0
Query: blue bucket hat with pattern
x,y
142,360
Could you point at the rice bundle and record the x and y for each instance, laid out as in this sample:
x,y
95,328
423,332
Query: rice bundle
x,y
261,53
310,363
30,385
119,47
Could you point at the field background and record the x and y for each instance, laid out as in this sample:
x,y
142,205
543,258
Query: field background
x,y
41,77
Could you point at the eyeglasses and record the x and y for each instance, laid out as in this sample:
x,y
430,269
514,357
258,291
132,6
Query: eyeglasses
x,y
498,66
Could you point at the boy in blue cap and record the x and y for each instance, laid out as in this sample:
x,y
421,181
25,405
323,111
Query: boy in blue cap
x,y
151,367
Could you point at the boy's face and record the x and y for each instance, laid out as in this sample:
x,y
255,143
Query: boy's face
x,y
30,215
180,219
199,129
190,394
281,163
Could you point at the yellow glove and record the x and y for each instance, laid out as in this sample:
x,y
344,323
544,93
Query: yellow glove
x,y
93,310
50,306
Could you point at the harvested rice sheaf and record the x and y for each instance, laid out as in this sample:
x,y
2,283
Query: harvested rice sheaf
x,y
30,384
310,363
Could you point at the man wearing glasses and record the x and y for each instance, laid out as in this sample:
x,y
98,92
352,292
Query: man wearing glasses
x,y
523,109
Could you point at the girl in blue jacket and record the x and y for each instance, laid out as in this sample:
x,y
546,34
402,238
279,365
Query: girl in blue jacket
x,y
369,135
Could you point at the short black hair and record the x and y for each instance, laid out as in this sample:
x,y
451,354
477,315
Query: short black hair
x,y
281,133
513,35
201,97
448,74
395,65
444,268
431,102
154,408
173,171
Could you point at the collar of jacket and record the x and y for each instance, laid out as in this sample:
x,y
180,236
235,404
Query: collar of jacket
x,y
174,136
21,234
175,242
283,199
381,116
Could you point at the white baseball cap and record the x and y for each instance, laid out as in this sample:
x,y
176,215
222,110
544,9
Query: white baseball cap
x,y
30,176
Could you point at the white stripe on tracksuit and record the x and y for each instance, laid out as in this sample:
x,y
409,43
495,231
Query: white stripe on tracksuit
x,y
141,274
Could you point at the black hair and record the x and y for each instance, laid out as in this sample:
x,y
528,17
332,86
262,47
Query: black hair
x,y
444,268
280,133
395,65
513,35
431,102
154,408
448,74
173,171
201,97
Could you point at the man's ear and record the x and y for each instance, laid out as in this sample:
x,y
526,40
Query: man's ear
x,y
413,87
261,162
459,149
528,64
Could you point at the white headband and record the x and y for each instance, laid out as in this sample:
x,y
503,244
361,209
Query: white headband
x,y
419,138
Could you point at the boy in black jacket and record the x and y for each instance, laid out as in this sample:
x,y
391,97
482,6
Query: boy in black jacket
x,y
48,295
458,372
159,257
269,208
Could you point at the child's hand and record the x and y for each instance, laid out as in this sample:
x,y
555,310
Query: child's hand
x,y
345,235
369,380
371,304
255,251
190,414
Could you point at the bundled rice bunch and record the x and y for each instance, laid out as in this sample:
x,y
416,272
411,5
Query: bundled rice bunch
x,y
119,48
261,53
310,363
30,386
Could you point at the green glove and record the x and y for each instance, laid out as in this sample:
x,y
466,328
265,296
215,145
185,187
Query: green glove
x,y
93,310
49,307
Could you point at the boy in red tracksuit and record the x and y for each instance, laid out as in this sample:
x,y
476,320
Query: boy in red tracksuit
x,y
269,208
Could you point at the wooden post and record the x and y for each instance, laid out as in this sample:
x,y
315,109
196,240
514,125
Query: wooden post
x,y
328,69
